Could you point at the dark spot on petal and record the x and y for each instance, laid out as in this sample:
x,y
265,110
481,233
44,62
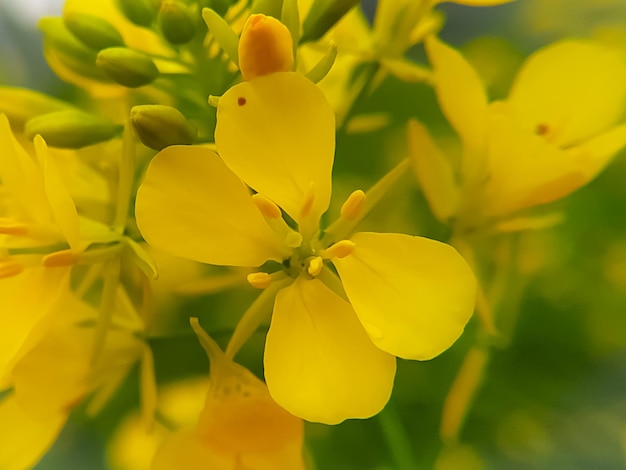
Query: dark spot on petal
x,y
542,129
241,101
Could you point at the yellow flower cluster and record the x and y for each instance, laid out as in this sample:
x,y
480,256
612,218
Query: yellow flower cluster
x,y
209,133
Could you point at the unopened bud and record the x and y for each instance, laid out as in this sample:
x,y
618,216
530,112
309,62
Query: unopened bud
x,y
72,53
127,67
93,31
265,47
21,104
71,129
140,12
176,21
159,126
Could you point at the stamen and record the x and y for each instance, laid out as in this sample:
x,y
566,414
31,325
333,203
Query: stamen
x,y
267,207
353,207
60,258
339,250
11,227
315,266
10,268
260,280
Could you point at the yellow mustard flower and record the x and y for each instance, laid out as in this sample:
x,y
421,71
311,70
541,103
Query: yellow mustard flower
x,y
554,133
54,375
240,426
38,220
326,358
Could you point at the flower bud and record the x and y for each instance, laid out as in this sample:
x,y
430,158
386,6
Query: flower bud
x,y
176,21
159,126
127,67
265,47
140,12
72,53
71,128
93,31
21,104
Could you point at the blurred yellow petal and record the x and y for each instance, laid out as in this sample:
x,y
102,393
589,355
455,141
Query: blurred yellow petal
x,y
61,203
460,93
277,132
184,450
413,295
477,3
570,91
25,439
433,171
192,206
27,304
526,170
319,363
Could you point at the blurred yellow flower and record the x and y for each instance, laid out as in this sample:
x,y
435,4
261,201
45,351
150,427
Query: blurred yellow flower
x,y
326,358
240,425
553,134
54,374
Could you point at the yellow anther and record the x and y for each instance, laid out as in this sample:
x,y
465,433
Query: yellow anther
x,y
60,258
267,207
293,239
353,207
315,266
339,250
10,227
10,268
259,280
309,198
265,47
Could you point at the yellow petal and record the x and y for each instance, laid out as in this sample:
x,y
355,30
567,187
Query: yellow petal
x,y
526,170
22,179
570,91
184,450
25,439
192,206
433,171
413,295
277,132
27,305
319,363
460,93
61,203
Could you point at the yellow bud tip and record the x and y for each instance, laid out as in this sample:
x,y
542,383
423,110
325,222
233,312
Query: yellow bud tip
x,y
353,207
259,280
293,239
10,268
315,266
309,198
265,47
339,250
267,207
60,258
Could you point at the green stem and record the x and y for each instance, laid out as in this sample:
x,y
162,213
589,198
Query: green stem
x,y
341,228
397,440
107,305
125,180
260,309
